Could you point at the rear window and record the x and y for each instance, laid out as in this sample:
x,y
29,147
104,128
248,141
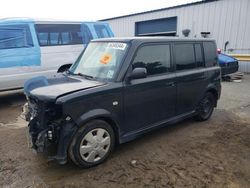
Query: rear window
x,y
15,36
210,54
59,34
184,56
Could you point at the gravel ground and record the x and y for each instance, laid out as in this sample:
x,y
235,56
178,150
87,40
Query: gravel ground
x,y
215,153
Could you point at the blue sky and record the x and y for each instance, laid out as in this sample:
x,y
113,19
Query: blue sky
x,y
80,9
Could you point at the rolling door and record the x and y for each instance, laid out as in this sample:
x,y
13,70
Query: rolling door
x,y
159,27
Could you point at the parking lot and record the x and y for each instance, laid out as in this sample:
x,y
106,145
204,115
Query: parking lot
x,y
191,154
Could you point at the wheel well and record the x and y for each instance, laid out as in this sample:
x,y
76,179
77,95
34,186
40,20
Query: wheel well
x,y
113,125
215,93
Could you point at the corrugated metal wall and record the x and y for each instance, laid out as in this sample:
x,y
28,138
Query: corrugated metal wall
x,y
227,20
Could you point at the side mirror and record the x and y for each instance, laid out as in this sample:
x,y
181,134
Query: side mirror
x,y
64,68
138,73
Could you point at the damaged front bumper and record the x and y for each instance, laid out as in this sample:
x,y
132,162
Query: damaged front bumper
x,y
47,133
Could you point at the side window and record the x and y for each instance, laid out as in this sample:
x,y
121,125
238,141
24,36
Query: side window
x,y
54,38
65,37
210,54
199,55
15,36
43,38
59,34
101,31
155,58
184,56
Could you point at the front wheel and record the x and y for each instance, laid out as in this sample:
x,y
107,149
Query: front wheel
x,y
205,107
92,144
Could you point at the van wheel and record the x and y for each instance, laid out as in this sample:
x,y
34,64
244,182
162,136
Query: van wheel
x,y
205,107
92,144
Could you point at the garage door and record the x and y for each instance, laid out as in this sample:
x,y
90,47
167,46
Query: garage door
x,y
159,27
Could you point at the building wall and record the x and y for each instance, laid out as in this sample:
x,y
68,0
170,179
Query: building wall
x,y
226,20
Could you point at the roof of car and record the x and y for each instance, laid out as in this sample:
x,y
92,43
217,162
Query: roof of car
x,y
149,39
41,21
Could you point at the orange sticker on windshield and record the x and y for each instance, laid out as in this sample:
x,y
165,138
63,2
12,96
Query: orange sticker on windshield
x,y
106,58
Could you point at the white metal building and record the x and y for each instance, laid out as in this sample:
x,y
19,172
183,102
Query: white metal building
x,y
227,21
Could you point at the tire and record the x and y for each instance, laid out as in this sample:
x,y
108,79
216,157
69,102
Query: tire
x,y
205,107
92,144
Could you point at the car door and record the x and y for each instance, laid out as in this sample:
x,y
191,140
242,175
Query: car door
x,y
150,100
191,76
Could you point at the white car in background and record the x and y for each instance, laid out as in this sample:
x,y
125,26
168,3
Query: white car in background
x,y
31,48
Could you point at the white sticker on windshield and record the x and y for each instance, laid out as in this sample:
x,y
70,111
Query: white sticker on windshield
x,y
117,45
110,74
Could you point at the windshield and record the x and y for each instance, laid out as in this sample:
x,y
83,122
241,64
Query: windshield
x,y
100,60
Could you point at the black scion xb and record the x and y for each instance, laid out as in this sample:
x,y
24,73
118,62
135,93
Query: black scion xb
x,y
119,89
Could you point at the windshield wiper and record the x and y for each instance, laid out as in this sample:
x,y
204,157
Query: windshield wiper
x,y
86,76
80,74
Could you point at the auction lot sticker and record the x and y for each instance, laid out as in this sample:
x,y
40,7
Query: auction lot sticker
x,y
105,59
117,45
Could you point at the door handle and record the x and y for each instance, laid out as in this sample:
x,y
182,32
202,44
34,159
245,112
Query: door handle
x,y
170,84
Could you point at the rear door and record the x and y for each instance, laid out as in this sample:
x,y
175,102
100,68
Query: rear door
x,y
191,75
150,100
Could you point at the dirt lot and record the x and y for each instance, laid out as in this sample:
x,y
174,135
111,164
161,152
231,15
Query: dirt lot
x,y
215,153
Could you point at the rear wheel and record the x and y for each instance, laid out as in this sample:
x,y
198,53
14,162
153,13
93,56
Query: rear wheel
x,y
92,144
205,107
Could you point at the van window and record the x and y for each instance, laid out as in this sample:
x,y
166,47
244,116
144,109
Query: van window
x,y
54,38
155,58
65,37
43,38
15,36
184,56
210,54
59,34
199,55
101,31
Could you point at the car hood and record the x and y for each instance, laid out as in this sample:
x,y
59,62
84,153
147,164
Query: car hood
x,y
50,89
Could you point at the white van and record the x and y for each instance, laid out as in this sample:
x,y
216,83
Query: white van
x,y
31,48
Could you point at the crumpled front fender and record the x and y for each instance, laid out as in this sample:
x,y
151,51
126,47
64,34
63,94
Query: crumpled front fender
x,y
67,131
